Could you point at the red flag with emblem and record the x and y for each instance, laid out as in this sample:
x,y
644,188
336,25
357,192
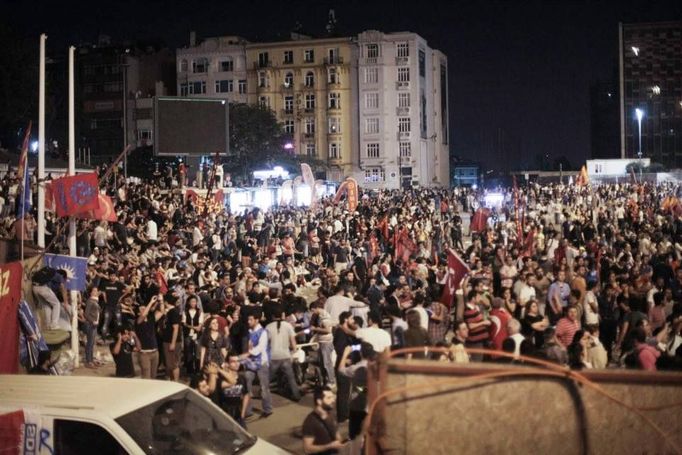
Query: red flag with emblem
x,y
480,220
76,194
457,269
105,211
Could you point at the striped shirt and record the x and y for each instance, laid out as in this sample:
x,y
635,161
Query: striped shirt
x,y
565,330
473,315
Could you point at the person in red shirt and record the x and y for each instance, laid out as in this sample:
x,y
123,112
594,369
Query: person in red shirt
x,y
647,355
567,326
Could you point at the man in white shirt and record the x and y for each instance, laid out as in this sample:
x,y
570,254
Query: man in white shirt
x,y
374,334
527,291
152,231
338,303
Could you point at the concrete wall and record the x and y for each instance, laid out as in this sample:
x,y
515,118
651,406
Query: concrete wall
x,y
524,414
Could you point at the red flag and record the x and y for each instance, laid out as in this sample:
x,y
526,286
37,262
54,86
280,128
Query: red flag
x,y
12,432
191,195
383,227
49,197
405,246
76,194
10,295
352,189
373,248
457,268
480,220
105,211
529,244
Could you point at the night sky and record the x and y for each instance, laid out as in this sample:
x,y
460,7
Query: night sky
x,y
520,72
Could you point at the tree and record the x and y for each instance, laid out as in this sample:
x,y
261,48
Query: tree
x,y
256,141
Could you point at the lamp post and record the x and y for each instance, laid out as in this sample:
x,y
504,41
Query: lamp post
x,y
640,114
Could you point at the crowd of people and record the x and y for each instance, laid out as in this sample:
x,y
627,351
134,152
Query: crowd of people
x,y
584,276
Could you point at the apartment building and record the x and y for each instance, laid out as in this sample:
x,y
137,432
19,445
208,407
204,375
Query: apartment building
x,y
310,85
403,111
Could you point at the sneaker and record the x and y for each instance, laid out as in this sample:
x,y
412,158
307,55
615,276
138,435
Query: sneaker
x,y
265,415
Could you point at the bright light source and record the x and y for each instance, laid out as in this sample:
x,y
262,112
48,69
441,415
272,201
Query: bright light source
x,y
639,113
263,199
277,171
656,90
474,187
34,146
635,50
288,146
239,202
494,199
303,195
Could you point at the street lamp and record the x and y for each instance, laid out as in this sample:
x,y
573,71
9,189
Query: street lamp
x,y
639,113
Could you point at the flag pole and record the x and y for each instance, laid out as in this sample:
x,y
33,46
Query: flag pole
x,y
72,222
41,144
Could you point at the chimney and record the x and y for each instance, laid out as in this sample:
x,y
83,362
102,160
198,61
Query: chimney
x,y
192,38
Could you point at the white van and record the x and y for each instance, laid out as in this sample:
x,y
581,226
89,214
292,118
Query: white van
x,y
60,415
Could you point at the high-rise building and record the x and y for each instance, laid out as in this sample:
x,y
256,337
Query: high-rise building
x,y
374,107
651,91
604,123
107,74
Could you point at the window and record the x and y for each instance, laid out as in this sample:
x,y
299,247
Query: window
x,y
200,65
403,74
288,57
372,150
289,80
263,60
334,151
309,126
309,55
334,101
183,66
144,135
372,125
288,104
403,49
242,86
372,100
226,86
372,50
264,102
403,100
422,63
332,76
374,174
289,126
404,125
310,149
309,79
227,65
334,125
371,75
193,88
262,79
405,149
310,101
72,438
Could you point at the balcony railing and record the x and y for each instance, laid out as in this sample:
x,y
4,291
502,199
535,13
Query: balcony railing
x,y
288,111
402,60
370,60
402,85
403,135
259,65
402,110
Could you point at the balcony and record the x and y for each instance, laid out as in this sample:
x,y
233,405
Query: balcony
x,y
402,60
287,87
403,135
307,137
402,85
307,87
309,110
333,107
333,60
261,65
402,110
288,111
370,60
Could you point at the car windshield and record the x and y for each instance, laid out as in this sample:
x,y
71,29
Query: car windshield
x,y
185,423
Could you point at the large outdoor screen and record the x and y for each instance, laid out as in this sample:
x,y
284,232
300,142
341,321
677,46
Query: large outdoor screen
x,y
190,126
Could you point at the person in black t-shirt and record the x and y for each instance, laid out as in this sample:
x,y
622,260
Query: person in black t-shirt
x,y
234,397
320,430
172,337
112,291
122,352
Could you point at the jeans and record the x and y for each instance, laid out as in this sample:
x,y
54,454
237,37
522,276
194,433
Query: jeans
x,y
149,363
325,352
90,334
263,374
285,364
110,313
50,304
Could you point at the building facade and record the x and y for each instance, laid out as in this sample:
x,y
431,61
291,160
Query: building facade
x,y
403,111
651,84
110,78
374,107
309,84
